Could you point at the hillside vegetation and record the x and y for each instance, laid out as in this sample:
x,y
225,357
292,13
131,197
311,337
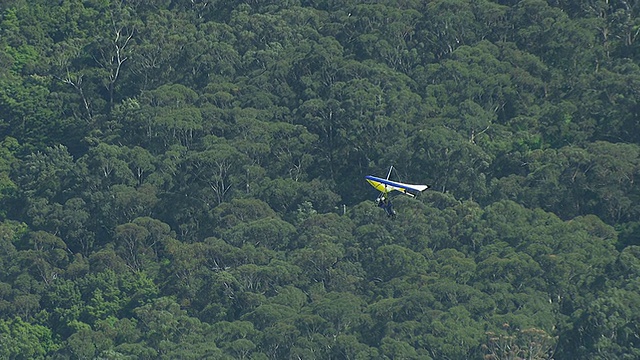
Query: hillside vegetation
x,y
184,179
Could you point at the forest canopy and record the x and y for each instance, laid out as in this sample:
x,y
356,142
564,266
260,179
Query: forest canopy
x,y
185,179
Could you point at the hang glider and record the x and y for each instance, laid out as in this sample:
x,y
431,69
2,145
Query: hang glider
x,y
385,186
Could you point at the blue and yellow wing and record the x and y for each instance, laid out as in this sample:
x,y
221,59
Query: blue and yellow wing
x,y
385,186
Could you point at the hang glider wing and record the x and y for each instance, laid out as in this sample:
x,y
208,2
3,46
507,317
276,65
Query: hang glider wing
x,y
385,186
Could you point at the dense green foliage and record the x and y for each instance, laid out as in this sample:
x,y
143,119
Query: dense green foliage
x,y
184,179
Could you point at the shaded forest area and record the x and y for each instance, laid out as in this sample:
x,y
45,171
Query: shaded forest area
x,y
184,179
